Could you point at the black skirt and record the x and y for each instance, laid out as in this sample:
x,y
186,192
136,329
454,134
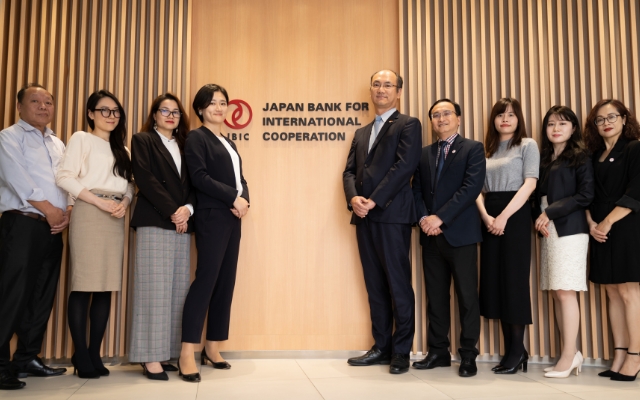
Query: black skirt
x,y
505,263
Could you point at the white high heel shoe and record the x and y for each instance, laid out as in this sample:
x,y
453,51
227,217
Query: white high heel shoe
x,y
575,364
549,369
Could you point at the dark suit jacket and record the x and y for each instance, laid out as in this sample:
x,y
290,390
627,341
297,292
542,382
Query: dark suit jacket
x,y
569,194
211,170
161,189
384,173
454,199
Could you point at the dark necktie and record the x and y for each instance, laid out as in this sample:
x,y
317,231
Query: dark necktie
x,y
440,161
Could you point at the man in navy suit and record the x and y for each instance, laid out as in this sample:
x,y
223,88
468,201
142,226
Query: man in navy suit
x,y
383,157
445,185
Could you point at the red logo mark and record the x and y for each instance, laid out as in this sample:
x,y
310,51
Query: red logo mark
x,y
236,115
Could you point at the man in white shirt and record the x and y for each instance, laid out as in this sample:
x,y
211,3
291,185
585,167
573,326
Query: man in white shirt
x,y
34,213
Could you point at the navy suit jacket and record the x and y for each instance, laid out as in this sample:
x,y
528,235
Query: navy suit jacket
x,y
454,199
384,173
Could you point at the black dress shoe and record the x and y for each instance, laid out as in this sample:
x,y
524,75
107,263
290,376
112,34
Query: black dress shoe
x,y
154,376
399,363
10,382
433,360
169,367
371,357
467,368
193,378
217,365
36,367
522,363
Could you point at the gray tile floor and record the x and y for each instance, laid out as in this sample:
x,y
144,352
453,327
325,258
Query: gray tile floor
x,y
328,379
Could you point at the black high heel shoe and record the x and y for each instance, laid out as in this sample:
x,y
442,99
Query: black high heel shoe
x,y
626,378
155,376
609,373
88,374
98,365
217,365
194,378
522,362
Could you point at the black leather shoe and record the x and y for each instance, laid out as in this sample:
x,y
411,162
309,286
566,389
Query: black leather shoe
x,y
10,382
217,365
522,363
468,368
193,378
169,367
154,376
371,357
36,367
433,360
399,363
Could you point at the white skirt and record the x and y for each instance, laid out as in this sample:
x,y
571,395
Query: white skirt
x,y
563,260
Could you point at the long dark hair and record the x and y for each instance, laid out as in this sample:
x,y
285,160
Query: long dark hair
x,y
492,138
183,125
118,136
575,151
630,129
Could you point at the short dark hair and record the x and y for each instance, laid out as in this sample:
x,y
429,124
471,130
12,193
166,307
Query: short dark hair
x,y
456,106
399,80
204,96
22,90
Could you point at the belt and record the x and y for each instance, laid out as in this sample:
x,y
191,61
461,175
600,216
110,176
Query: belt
x,y
29,214
108,196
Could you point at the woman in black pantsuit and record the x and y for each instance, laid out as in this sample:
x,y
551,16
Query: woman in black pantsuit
x,y
215,169
611,133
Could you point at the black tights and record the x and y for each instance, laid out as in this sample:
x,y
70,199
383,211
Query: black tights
x,y
513,344
88,358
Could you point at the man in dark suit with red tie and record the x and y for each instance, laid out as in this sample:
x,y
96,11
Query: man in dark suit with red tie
x,y
446,185
383,157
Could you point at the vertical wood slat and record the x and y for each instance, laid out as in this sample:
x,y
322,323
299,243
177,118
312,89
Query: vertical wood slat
x,y
74,47
552,52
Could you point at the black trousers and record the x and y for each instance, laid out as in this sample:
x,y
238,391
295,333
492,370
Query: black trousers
x,y
440,262
505,264
384,253
30,259
218,243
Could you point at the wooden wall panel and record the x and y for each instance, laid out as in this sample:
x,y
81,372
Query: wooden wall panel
x,y
299,284
570,52
133,48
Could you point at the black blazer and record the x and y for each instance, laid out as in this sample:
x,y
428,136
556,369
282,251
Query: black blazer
x,y
384,173
454,199
211,170
569,194
161,189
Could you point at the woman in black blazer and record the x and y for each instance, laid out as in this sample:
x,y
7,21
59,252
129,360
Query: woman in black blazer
x,y
162,218
562,195
611,133
215,168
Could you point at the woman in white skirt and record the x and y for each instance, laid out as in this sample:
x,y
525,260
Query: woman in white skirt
x,y
162,218
96,171
563,193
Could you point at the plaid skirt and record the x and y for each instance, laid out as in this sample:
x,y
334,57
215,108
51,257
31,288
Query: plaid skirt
x,y
161,282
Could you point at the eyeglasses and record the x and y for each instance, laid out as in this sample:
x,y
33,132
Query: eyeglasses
x,y
107,113
165,113
386,86
611,118
444,114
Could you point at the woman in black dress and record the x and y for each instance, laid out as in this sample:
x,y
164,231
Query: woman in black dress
x,y
611,133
